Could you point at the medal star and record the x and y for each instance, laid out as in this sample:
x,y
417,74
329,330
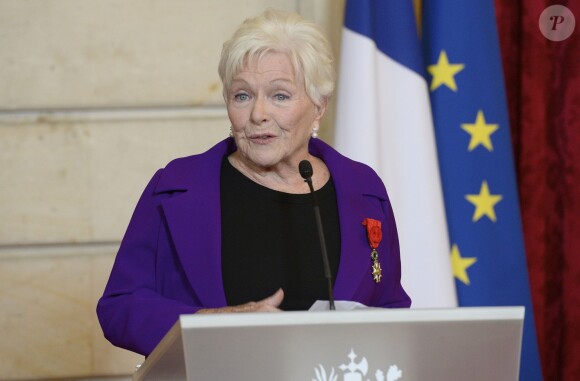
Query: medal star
x,y
484,203
460,265
444,73
377,272
480,132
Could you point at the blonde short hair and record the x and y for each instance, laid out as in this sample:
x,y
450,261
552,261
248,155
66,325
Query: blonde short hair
x,y
282,32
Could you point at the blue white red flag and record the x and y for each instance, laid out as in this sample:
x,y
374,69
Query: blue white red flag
x,y
384,120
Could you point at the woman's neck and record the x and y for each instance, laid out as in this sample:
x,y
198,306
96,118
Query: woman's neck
x,y
282,177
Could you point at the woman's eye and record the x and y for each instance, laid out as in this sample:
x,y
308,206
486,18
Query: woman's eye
x,y
241,97
281,97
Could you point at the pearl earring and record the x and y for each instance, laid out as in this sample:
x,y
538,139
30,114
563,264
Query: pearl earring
x,y
314,132
231,132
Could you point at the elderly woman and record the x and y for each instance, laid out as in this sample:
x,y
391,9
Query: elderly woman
x,y
233,229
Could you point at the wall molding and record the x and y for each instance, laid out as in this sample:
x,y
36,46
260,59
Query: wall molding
x,y
52,116
51,250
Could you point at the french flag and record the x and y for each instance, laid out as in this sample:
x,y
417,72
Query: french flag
x,y
384,120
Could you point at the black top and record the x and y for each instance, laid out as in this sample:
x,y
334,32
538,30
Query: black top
x,y
270,241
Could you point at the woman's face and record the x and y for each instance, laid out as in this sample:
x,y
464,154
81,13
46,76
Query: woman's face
x,y
272,116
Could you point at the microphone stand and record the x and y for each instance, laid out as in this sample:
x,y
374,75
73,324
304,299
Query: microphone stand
x,y
306,172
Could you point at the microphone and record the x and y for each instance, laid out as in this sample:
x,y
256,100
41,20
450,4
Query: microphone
x,y
306,172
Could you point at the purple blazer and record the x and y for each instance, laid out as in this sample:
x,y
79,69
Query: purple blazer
x,y
169,262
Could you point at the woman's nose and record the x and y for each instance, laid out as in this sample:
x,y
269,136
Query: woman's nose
x,y
260,111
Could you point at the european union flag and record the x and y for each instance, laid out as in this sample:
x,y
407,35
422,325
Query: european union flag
x,y
476,165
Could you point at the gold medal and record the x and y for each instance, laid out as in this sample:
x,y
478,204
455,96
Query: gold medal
x,y
374,235
377,271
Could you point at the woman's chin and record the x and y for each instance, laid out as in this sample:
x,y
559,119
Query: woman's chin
x,y
265,162
264,157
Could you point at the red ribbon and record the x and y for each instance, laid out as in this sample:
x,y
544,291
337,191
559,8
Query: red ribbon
x,y
374,232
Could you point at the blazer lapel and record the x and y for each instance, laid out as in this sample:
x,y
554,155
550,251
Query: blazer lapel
x,y
354,260
194,221
196,234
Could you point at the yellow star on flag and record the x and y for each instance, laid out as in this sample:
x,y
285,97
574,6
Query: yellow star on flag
x,y
460,265
444,73
484,202
480,132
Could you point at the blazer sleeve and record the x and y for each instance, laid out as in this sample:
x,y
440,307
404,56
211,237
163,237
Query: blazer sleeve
x,y
132,313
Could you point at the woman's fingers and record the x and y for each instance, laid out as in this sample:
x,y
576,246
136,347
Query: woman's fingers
x,y
275,299
269,304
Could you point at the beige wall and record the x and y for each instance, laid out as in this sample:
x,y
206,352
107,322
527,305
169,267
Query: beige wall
x,y
94,96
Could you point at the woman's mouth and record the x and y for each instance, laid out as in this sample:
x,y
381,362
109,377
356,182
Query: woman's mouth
x,y
262,138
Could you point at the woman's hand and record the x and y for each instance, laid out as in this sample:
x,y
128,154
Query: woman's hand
x,y
269,304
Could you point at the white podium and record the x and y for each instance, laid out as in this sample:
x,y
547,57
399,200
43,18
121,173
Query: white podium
x,y
361,345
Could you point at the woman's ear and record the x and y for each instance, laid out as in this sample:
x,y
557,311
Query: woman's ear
x,y
321,108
